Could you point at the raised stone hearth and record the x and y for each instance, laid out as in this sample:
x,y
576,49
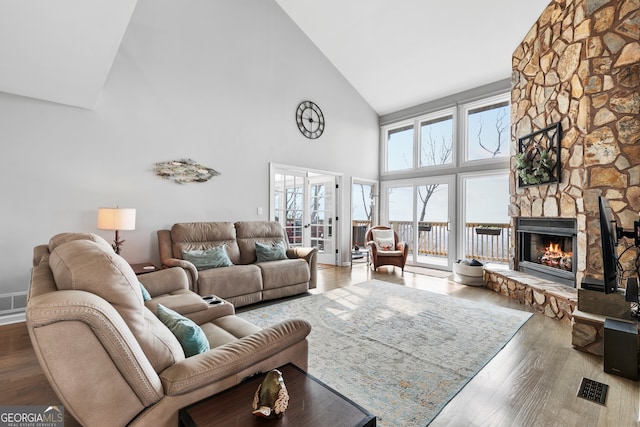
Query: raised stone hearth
x,y
550,298
560,302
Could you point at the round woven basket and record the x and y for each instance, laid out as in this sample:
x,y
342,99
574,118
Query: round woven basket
x,y
471,275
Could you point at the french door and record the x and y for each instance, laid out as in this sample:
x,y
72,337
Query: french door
x,y
305,203
422,212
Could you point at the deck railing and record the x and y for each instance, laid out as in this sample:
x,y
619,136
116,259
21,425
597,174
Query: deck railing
x,y
487,242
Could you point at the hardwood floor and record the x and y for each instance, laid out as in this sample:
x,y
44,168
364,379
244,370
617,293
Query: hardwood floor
x,y
532,382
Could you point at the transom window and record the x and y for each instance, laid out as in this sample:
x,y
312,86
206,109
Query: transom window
x,y
424,142
436,141
429,141
487,129
400,148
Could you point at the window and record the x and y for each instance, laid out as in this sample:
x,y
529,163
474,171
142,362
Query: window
x,y
487,129
436,141
486,225
420,211
400,148
463,153
364,194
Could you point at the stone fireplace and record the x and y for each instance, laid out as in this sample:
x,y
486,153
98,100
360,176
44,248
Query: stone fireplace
x,y
547,248
579,65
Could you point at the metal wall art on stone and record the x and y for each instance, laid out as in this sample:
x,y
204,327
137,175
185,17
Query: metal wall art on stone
x,y
184,171
538,158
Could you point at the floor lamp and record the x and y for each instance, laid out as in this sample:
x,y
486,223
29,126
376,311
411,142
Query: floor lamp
x,y
116,219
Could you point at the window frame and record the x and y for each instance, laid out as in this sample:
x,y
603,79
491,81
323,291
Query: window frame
x,y
459,107
444,114
384,132
416,123
461,195
465,109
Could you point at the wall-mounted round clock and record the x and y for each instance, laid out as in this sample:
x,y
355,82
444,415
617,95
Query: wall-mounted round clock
x,y
310,119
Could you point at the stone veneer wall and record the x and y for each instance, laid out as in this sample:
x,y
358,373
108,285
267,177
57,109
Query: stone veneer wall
x,y
579,65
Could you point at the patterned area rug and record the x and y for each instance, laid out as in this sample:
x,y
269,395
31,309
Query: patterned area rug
x,y
401,353
429,272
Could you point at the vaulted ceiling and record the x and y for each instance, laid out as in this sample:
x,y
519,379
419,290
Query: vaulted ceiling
x,y
401,53
61,50
395,53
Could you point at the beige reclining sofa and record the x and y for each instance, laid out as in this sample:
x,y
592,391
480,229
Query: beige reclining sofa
x,y
247,280
112,362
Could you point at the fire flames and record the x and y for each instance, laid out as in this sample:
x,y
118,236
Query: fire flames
x,y
554,257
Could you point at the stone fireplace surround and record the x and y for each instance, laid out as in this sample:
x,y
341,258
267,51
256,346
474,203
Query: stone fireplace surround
x,y
578,65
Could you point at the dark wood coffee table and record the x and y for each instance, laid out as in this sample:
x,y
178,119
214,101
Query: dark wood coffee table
x,y
311,403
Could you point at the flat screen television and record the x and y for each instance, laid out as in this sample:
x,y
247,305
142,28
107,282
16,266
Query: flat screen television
x,y
609,241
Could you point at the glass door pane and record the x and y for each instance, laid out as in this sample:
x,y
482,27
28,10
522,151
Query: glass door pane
x,y
289,192
400,213
421,215
363,211
434,245
322,214
486,217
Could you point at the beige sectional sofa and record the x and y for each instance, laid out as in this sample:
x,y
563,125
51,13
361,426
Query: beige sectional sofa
x,y
247,281
109,358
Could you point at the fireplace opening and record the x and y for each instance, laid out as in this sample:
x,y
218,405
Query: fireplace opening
x,y
550,251
546,248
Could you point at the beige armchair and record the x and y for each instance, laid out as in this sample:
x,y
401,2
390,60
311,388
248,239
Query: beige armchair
x,y
112,362
384,247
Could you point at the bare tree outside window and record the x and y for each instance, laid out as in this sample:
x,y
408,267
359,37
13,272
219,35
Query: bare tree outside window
x,y
361,211
289,205
365,195
491,139
294,203
436,148
317,194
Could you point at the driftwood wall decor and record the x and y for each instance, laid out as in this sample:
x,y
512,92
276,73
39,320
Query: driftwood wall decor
x,y
184,171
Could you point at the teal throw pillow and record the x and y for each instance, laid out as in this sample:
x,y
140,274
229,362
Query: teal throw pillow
x,y
145,293
208,258
272,252
191,337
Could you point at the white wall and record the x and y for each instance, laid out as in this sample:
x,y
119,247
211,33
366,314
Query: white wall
x,y
215,81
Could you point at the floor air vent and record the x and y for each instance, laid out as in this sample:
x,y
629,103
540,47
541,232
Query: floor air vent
x,y
593,390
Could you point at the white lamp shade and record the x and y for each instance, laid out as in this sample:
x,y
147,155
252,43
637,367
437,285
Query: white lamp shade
x,y
116,219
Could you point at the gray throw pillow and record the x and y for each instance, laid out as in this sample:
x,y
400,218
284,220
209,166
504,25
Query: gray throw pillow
x,y
272,252
208,258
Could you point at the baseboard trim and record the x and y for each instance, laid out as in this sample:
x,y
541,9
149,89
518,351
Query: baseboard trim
x,y
12,318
